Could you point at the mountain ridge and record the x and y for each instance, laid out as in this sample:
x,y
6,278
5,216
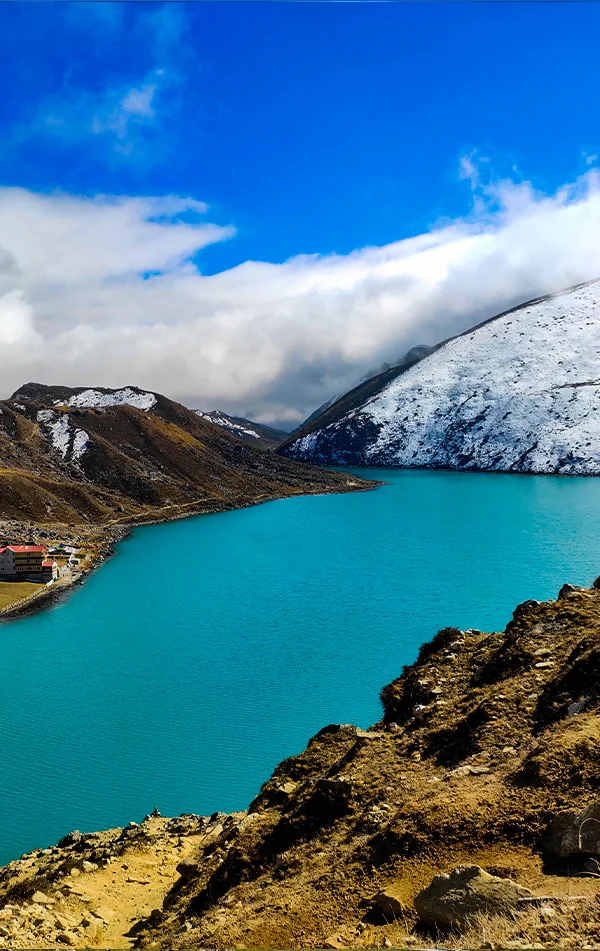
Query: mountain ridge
x,y
256,434
91,455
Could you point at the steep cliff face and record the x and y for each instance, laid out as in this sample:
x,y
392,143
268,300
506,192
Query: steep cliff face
x,y
519,393
488,749
92,455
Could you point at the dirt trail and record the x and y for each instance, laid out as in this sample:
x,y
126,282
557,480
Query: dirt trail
x,y
125,891
95,890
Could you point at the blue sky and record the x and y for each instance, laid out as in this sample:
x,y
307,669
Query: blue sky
x,y
313,129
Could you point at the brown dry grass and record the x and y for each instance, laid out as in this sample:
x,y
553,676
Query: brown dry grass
x,y
137,465
565,925
13,592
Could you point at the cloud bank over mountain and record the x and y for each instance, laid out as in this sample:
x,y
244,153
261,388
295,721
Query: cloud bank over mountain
x,y
110,291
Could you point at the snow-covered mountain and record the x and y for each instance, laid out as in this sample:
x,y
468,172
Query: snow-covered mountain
x,y
256,434
518,393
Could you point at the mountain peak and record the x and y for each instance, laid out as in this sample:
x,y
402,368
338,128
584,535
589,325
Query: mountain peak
x,y
519,392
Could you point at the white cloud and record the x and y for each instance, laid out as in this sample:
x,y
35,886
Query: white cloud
x,y
138,102
16,320
106,292
59,241
125,115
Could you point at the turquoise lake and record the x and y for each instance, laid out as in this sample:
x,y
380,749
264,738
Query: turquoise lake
x,y
207,650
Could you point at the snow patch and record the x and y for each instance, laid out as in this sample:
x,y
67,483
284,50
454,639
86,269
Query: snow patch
x,y
80,443
69,441
306,446
94,399
61,435
226,422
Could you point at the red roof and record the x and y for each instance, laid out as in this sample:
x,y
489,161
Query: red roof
x,y
47,564
23,548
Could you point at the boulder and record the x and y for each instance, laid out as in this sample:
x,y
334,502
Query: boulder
x,y
288,788
330,799
385,908
67,937
578,707
347,729
189,870
71,839
568,589
526,607
40,898
103,914
467,770
468,890
336,942
574,833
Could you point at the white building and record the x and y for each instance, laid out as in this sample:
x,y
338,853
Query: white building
x,y
7,562
26,563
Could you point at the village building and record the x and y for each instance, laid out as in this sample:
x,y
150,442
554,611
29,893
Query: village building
x,y
49,570
26,563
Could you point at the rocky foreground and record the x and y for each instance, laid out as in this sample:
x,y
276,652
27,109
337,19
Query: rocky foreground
x,y
468,817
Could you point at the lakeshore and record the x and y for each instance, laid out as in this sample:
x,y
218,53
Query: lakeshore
x,y
100,542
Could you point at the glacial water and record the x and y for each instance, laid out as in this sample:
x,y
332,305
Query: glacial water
x,y
207,650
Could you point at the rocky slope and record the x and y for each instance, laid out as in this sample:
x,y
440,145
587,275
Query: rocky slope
x,y
518,393
96,456
256,434
487,758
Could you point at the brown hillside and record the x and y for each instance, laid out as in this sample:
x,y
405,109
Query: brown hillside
x,y
478,749
96,464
